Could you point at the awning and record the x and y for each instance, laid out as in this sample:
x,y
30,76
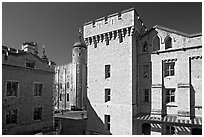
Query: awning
x,y
170,119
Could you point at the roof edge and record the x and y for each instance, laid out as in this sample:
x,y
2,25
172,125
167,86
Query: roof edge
x,y
177,32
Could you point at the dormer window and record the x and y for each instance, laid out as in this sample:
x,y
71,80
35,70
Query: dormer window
x,y
145,47
30,64
168,42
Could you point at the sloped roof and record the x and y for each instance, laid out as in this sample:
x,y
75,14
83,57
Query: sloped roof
x,y
177,32
15,52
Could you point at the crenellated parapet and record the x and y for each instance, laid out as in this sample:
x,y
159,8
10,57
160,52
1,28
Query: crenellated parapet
x,y
114,26
112,35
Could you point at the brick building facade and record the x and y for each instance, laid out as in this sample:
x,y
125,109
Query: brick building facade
x,y
142,81
27,90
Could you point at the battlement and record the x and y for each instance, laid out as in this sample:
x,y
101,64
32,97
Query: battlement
x,y
116,21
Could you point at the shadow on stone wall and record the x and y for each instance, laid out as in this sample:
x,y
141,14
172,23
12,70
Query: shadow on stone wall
x,y
94,123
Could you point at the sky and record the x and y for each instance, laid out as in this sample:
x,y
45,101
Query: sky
x,y
55,24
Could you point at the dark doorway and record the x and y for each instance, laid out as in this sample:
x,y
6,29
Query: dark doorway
x,y
196,131
146,129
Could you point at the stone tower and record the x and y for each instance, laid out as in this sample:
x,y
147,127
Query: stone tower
x,y
112,71
79,61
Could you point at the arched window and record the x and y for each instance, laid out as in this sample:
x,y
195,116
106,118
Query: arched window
x,y
156,43
145,47
168,42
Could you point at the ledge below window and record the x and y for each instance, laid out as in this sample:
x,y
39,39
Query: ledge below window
x,y
172,104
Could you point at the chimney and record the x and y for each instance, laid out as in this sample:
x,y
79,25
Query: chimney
x,y
30,47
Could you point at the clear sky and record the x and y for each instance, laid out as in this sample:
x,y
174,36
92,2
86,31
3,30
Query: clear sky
x,y
56,25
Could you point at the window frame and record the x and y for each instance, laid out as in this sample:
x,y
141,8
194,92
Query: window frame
x,y
146,96
17,92
170,97
39,83
107,94
30,61
107,122
11,119
107,71
168,69
168,42
40,108
156,47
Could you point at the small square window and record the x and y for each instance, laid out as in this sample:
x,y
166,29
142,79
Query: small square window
x,y
37,113
11,88
30,64
11,116
38,89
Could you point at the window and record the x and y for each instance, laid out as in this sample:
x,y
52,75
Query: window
x,y
67,97
146,95
145,71
169,68
30,64
38,89
170,95
80,54
11,116
107,122
170,130
107,71
107,95
11,88
145,47
168,42
156,43
37,113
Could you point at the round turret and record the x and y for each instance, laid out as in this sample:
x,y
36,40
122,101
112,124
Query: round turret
x,y
79,61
